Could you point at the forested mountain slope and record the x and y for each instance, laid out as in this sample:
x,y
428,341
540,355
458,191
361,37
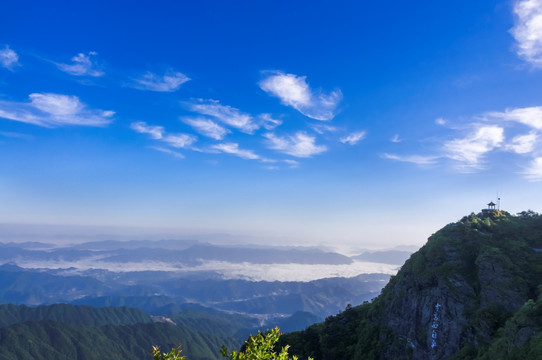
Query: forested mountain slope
x,y
50,340
473,290
71,314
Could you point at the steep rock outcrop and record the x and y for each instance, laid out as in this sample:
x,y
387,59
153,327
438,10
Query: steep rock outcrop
x,y
450,298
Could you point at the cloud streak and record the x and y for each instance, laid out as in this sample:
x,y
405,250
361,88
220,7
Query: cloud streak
x,y
52,110
228,115
169,82
8,58
179,141
353,138
299,145
534,171
488,134
268,122
233,148
470,150
414,159
168,151
207,127
293,90
523,144
156,132
530,116
82,65
527,30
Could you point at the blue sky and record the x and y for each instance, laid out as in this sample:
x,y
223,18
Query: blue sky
x,y
348,124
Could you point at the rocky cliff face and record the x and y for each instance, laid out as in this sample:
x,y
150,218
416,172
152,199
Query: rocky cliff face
x,y
451,297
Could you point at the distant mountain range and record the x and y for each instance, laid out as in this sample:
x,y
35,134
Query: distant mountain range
x,y
155,275
109,294
155,292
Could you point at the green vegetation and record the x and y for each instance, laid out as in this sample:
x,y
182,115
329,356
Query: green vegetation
x,y
48,340
71,314
260,347
215,323
483,274
174,354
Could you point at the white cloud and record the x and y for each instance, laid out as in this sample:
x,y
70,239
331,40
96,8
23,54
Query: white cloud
x,y
298,145
523,144
294,91
82,65
293,163
353,138
322,128
268,122
168,151
233,148
285,272
471,149
226,114
169,82
530,116
207,127
156,132
440,121
527,30
8,58
415,159
396,139
50,110
179,140
534,172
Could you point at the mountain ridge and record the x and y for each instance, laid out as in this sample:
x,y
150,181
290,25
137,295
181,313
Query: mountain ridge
x,y
450,299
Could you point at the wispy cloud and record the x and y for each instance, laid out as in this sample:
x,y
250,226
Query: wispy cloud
x,y
299,145
82,65
294,91
207,127
534,171
169,82
415,159
158,133
8,58
226,114
51,110
292,163
233,148
530,116
179,141
168,151
527,30
523,144
322,128
488,132
268,122
440,121
396,139
470,150
353,138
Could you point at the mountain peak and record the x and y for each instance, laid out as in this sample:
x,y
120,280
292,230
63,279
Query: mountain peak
x,y
449,298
